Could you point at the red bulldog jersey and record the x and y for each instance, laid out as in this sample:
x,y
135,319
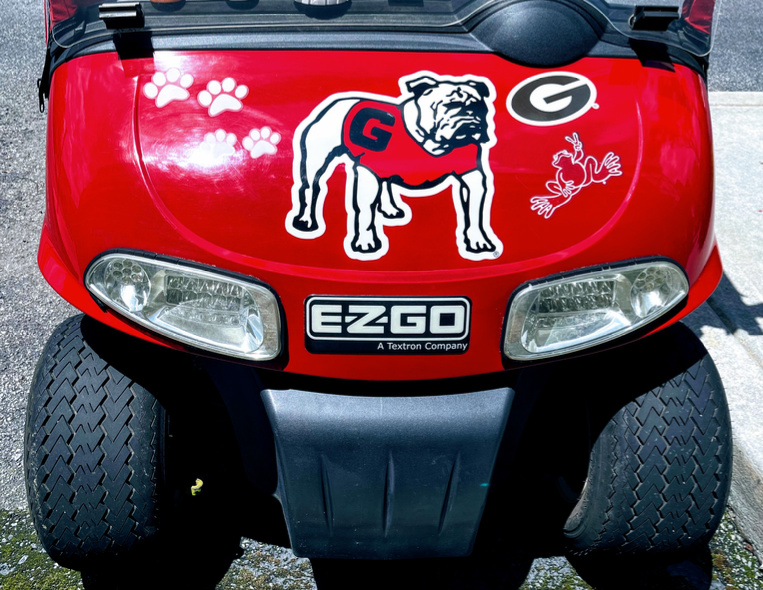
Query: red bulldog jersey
x,y
376,137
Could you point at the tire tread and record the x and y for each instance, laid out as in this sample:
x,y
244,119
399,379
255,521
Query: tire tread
x,y
669,473
88,428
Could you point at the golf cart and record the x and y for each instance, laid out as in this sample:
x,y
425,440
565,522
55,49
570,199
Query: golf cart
x,y
396,264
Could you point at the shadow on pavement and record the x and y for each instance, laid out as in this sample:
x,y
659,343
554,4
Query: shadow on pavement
x,y
694,572
735,314
508,543
475,572
508,571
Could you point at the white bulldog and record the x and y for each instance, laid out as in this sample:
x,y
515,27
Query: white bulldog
x,y
436,134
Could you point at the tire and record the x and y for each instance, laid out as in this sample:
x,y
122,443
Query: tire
x,y
660,469
117,432
94,446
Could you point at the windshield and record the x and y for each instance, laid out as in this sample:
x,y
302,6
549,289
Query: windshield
x,y
687,24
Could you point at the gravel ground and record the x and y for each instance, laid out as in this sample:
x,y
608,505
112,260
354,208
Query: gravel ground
x,y
29,309
728,565
735,63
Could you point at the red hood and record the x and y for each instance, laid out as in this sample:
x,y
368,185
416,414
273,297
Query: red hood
x,y
498,174
243,204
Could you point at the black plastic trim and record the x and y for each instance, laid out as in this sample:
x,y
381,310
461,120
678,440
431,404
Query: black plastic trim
x,y
122,15
85,35
385,477
654,18
650,54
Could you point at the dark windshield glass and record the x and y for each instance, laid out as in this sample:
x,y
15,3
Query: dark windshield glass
x,y
60,10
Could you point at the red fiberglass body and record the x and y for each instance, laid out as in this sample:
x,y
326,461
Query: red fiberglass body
x,y
198,155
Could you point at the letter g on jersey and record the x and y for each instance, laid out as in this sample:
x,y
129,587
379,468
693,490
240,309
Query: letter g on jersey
x,y
552,98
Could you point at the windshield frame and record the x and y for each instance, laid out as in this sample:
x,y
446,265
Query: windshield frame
x,y
362,16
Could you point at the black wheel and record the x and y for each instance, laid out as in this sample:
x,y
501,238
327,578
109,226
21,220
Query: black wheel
x,y
108,473
94,445
660,468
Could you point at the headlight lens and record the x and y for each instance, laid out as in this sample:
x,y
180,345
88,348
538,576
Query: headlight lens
x,y
203,308
569,314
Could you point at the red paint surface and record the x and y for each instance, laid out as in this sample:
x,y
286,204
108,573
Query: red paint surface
x,y
123,173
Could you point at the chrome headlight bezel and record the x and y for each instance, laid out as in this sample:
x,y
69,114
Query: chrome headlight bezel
x,y
262,294
521,301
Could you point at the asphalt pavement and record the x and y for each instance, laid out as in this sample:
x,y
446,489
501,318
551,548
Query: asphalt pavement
x,y
730,324
28,307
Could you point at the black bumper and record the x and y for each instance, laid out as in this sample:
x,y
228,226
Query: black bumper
x,y
385,477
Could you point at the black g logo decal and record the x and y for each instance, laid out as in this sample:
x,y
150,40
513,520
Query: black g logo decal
x,y
371,129
552,98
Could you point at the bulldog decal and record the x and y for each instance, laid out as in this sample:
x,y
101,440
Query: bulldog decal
x,y
437,134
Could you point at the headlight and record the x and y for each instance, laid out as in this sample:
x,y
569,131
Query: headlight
x,y
203,308
568,314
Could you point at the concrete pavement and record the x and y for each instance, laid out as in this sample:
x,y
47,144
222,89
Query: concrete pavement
x,y
731,322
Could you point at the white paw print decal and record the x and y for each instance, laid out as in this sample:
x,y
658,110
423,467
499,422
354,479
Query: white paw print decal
x,y
169,87
261,141
218,144
223,96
